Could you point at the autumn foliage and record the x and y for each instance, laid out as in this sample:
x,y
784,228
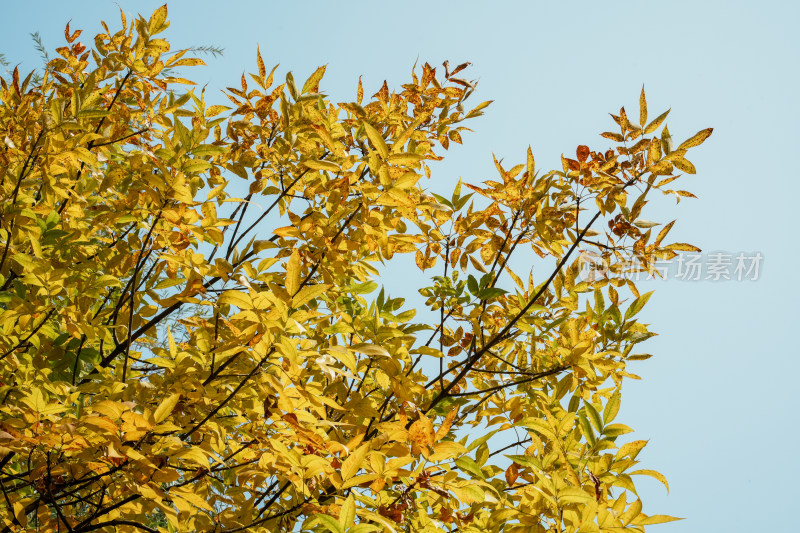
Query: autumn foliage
x,y
193,333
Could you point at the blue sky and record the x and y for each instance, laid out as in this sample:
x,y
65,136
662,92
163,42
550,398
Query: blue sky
x,y
717,400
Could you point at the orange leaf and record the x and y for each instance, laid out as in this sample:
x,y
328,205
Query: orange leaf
x,y
262,70
421,431
444,429
71,38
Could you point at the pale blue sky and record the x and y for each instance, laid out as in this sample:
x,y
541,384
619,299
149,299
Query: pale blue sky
x,y
717,401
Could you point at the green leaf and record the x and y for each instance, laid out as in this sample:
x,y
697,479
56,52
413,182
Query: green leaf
x,y
477,442
491,292
362,288
637,305
208,150
467,464
527,461
330,523
195,166
468,494
615,430
472,285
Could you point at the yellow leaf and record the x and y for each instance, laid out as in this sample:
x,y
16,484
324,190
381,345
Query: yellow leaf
x,y
20,514
37,401
404,159
196,166
657,519
316,164
613,136
354,461
195,455
347,515
293,273
631,512
111,409
308,293
530,164
446,449
652,473
574,495
237,298
161,361
682,247
149,493
192,498
468,494
173,348
662,168
215,110
189,62
157,20
653,126
684,165
287,231
400,142
312,83
102,423
421,431
165,407
370,349
359,479
642,109
159,45
697,139
179,80
663,232
376,140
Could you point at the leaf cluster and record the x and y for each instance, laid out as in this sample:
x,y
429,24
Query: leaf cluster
x,y
193,338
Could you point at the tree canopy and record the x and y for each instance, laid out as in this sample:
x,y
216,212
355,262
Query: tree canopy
x,y
193,336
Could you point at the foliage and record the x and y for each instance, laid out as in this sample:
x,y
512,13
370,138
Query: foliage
x,y
177,356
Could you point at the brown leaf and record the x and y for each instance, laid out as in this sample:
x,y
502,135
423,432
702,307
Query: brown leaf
x,y
383,94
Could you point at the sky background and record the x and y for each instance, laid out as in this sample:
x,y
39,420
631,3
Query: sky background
x,y
718,399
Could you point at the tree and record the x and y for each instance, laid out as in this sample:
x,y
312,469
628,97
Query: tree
x,y
193,337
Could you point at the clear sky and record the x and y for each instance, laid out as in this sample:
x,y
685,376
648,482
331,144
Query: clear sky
x,y
718,399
